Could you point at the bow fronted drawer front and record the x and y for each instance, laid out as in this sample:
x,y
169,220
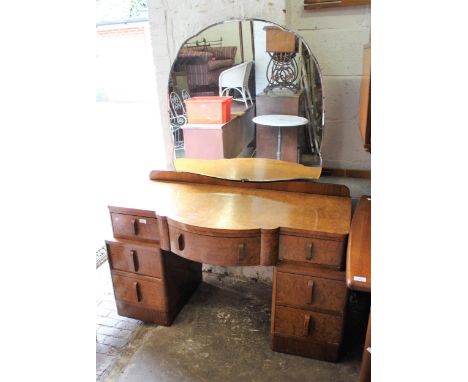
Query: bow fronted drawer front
x,y
133,257
133,227
215,247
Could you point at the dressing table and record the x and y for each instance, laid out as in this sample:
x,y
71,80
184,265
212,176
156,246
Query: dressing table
x,y
175,221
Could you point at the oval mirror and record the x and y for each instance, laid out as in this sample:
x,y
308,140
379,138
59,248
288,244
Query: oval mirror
x,y
246,103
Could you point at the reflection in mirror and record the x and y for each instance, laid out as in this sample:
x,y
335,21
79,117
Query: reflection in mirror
x,y
246,89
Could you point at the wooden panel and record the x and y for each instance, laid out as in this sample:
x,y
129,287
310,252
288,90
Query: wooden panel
x,y
365,100
135,227
132,257
305,348
252,169
312,250
310,5
139,291
308,292
216,250
278,40
307,324
358,268
144,314
235,208
256,166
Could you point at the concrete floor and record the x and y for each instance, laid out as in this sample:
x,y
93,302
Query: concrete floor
x,y
222,334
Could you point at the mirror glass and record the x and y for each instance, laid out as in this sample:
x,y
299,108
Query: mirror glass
x,y
246,102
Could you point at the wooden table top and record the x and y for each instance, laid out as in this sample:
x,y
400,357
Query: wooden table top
x,y
358,260
235,208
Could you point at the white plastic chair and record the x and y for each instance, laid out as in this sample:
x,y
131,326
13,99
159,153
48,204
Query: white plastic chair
x,y
236,78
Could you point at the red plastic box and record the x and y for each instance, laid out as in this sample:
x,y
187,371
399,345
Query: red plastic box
x,y
209,109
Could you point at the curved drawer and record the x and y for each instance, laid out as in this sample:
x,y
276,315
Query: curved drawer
x,y
215,246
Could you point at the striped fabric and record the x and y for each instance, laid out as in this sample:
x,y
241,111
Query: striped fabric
x,y
203,67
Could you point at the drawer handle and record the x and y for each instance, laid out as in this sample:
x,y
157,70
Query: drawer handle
x,y
306,329
310,247
134,226
137,291
136,264
310,286
242,252
180,242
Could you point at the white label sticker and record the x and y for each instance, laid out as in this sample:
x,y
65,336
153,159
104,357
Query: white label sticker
x,y
360,278
142,221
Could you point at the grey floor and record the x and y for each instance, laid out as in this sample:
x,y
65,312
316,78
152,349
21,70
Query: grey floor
x,y
222,334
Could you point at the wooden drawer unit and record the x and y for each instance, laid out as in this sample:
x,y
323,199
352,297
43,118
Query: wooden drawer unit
x,y
133,257
310,292
309,303
219,249
315,326
139,290
313,250
135,227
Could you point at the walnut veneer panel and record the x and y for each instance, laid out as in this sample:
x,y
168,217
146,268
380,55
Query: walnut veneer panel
x,y
134,257
135,227
216,250
233,208
308,325
136,290
313,250
358,267
310,292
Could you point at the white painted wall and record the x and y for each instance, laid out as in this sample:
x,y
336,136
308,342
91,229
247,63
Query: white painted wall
x,y
336,38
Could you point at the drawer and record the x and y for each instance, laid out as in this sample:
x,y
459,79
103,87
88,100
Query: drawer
x,y
135,227
308,325
134,258
310,292
312,250
139,291
215,250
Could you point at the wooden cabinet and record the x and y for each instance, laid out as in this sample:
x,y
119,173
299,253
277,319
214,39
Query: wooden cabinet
x,y
297,227
149,284
309,302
